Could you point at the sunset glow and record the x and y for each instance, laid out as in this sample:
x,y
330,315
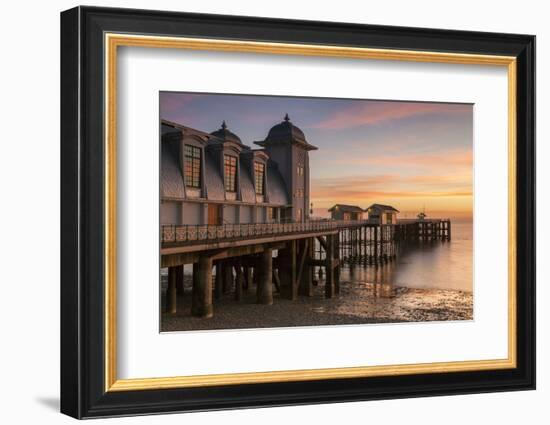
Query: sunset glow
x,y
410,155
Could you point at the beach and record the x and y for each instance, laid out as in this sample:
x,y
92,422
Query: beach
x,y
357,303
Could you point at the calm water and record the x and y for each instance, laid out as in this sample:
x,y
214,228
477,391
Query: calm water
x,y
439,265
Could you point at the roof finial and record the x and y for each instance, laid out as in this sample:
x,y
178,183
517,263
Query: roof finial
x,y
287,118
224,125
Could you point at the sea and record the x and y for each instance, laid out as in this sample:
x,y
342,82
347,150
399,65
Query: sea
x,y
431,265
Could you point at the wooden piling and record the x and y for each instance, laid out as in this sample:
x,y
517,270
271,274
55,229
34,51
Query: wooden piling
x,y
202,289
218,289
171,299
288,271
179,281
247,277
264,291
329,266
239,282
375,255
305,271
337,269
227,279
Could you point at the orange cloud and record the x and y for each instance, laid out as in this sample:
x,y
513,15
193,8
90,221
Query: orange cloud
x,y
364,113
452,193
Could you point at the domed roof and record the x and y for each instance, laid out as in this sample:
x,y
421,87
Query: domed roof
x,y
226,135
285,131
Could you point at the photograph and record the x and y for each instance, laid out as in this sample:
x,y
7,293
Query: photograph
x,y
284,211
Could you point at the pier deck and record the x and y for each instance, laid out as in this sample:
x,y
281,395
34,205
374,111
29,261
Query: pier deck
x,y
243,255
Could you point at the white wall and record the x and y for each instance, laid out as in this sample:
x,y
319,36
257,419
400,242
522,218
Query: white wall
x,y
170,213
29,171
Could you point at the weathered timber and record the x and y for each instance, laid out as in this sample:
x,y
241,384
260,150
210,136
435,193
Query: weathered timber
x,y
227,277
305,279
218,287
329,266
264,294
337,264
179,281
202,289
221,245
171,299
287,271
276,280
175,259
247,277
303,256
239,282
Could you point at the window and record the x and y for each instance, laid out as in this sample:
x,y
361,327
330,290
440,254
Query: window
x,y
299,218
259,173
300,170
192,166
269,213
299,193
230,173
389,218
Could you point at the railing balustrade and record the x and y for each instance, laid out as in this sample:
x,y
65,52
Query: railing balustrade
x,y
195,233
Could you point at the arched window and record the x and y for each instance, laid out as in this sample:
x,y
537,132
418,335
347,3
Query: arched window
x,y
192,166
259,177
230,173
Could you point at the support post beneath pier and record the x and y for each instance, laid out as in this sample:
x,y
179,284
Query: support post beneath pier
x,y
179,281
227,279
329,265
375,229
202,288
287,271
218,289
337,269
306,279
264,290
247,277
239,282
171,299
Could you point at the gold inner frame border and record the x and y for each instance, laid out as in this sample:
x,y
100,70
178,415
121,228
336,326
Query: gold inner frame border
x,y
111,43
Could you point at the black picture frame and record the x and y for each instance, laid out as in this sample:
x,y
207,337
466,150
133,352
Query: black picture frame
x,y
83,392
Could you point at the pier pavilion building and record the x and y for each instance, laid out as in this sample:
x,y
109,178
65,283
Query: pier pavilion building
x,y
214,178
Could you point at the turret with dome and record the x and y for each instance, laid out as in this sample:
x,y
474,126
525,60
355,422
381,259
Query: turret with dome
x,y
286,132
286,145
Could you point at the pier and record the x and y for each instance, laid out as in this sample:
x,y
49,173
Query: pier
x,y
288,258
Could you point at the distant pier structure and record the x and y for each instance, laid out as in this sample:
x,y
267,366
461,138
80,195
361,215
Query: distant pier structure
x,y
239,219
373,243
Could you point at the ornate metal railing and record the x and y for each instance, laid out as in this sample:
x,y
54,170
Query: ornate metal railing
x,y
208,233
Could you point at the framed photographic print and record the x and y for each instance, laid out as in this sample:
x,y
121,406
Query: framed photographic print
x,y
261,212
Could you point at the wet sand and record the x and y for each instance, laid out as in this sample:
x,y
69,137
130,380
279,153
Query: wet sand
x,y
357,303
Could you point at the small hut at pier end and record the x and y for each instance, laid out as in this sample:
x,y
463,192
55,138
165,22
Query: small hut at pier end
x,y
382,214
346,212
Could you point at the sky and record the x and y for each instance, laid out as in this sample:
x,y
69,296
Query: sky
x,y
412,155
